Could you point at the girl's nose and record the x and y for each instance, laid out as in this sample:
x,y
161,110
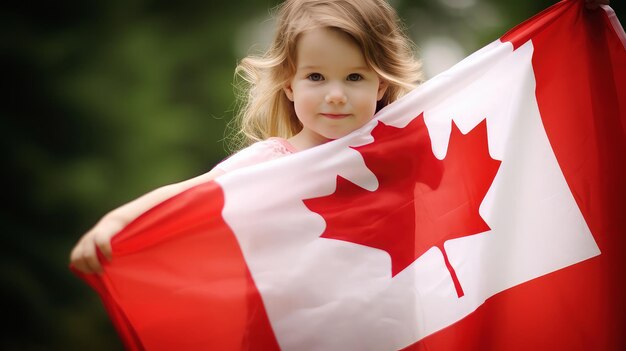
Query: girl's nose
x,y
336,95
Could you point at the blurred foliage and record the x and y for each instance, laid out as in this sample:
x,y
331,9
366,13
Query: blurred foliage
x,y
104,101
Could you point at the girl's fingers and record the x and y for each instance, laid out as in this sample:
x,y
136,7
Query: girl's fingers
x,y
76,257
84,257
90,257
104,245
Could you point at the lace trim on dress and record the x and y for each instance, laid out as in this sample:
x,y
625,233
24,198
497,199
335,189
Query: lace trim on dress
x,y
281,146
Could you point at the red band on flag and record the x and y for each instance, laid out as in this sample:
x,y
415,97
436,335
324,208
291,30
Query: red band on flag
x,y
583,108
178,280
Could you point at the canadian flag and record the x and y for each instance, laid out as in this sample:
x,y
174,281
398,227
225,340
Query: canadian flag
x,y
485,210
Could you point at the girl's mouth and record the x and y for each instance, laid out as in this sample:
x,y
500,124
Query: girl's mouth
x,y
335,115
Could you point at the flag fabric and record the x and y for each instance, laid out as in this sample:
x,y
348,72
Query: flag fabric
x,y
485,210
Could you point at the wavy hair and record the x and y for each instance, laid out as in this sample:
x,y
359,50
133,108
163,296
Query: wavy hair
x,y
264,110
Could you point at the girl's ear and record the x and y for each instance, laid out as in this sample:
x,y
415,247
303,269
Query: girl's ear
x,y
382,88
288,91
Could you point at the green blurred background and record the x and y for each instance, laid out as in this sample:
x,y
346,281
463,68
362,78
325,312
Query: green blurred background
x,y
106,100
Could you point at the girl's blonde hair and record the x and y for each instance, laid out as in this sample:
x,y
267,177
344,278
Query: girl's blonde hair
x,y
265,110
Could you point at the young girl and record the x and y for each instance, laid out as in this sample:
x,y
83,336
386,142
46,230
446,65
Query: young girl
x,y
331,66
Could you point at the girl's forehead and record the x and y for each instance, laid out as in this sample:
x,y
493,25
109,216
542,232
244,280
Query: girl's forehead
x,y
323,33
328,45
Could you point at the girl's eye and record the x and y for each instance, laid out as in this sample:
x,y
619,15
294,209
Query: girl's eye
x,y
315,77
355,77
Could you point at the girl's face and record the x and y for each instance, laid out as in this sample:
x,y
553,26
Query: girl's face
x,y
333,90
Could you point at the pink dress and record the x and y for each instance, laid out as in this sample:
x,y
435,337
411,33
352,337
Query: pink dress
x,y
258,152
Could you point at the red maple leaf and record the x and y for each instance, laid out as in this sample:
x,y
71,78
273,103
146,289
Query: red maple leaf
x,y
420,202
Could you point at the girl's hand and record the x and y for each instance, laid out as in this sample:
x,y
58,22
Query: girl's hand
x,y
594,4
84,256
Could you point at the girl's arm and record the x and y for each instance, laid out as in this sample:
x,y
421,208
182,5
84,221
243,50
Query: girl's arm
x,y
84,255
